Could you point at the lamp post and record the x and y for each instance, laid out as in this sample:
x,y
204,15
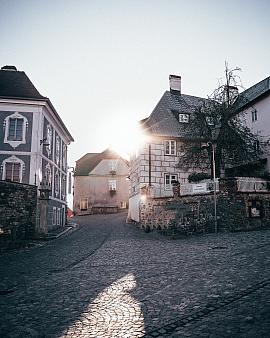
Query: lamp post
x,y
213,146
213,149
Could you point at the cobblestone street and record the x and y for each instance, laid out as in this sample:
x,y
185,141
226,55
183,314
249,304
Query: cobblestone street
x,y
109,279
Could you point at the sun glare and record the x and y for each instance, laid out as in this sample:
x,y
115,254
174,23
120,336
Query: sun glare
x,y
124,136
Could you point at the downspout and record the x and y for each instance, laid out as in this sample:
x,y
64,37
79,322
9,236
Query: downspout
x,y
149,160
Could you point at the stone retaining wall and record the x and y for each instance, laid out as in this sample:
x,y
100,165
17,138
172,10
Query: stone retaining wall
x,y
235,211
18,203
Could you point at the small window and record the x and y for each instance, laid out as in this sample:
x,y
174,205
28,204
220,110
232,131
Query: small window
x,y
169,179
112,185
123,205
209,120
170,147
257,146
255,209
84,204
184,118
254,115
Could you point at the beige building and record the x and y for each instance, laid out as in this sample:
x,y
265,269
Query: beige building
x,y
100,183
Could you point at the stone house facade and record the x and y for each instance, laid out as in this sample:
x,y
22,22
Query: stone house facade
x,y
33,141
155,166
100,183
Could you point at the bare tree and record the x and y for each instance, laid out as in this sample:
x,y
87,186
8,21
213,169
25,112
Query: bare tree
x,y
218,123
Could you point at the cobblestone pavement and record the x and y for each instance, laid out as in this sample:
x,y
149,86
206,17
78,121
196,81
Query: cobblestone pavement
x,y
109,279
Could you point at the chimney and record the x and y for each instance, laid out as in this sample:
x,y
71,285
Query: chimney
x,y
11,68
175,84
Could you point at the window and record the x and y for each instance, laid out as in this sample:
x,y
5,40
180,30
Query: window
x,y
112,185
169,178
58,216
56,184
49,139
210,120
84,204
64,157
48,175
254,116
257,146
57,149
15,129
170,147
123,205
12,169
184,118
54,216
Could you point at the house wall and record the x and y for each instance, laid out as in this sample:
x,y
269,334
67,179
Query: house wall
x,y
35,156
262,124
161,164
95,187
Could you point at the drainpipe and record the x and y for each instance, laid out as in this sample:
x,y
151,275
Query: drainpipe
x,y
149,154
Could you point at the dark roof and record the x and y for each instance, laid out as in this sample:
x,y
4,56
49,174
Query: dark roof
x,y
90,160
163,121
248,96
16,84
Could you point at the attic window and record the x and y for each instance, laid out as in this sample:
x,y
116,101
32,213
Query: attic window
x,y
184,118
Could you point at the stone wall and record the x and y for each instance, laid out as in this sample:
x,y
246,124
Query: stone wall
x,y
235,211
18,203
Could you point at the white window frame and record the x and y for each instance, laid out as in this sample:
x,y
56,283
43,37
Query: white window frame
x,y
16,160
184,117
171,149
15,143
172,177
83,202
112,185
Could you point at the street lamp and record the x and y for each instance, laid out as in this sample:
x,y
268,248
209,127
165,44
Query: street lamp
x,y
213,149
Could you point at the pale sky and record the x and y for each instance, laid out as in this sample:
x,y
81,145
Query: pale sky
x,y
105,64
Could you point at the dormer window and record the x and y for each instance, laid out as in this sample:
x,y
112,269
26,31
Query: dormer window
x,y
184,118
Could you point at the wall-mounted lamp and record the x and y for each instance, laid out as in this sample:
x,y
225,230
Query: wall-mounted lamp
x,y
44,142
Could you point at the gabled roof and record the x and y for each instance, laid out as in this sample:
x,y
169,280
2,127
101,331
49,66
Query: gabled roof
x,y
16,84
252,94
90,160
163,121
